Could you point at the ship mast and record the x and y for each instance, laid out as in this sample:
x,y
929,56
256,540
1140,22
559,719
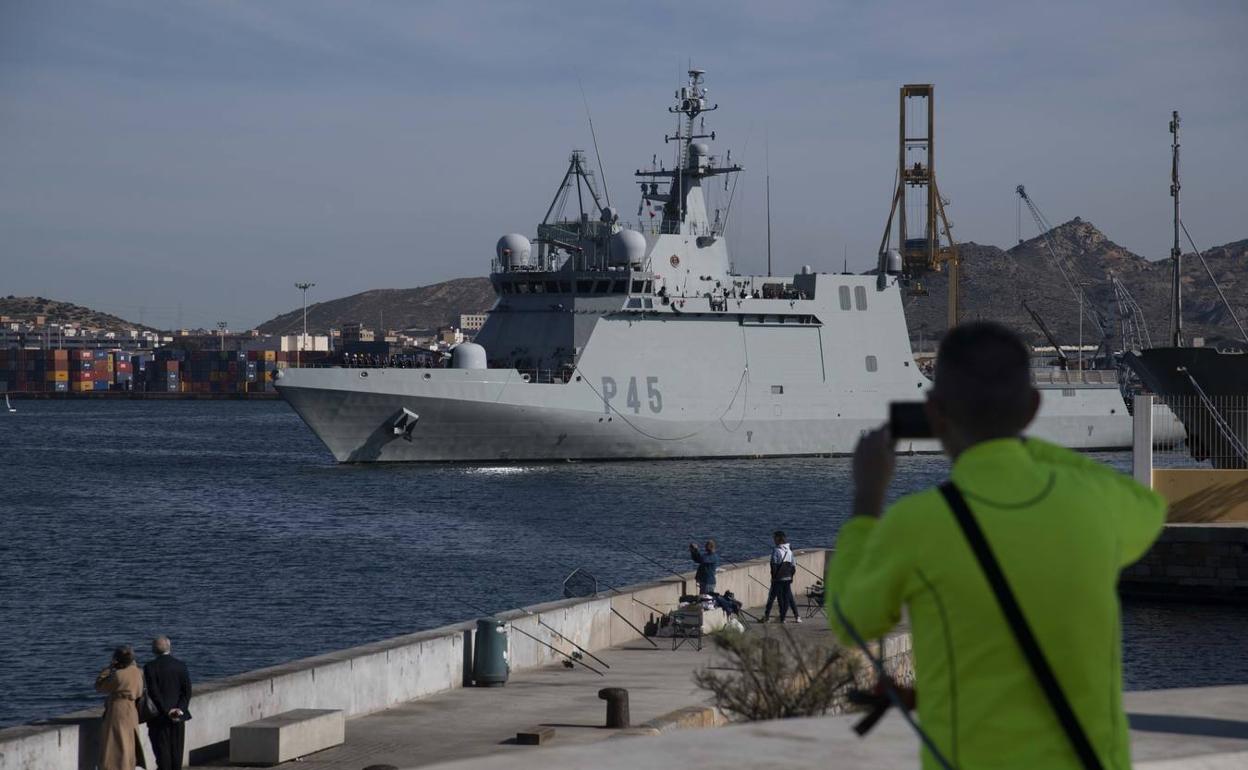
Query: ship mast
x,y
1176,256
691,167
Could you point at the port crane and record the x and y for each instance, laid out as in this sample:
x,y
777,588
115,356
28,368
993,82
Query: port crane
x,y
930,246
1132,327
1086,308
1062,360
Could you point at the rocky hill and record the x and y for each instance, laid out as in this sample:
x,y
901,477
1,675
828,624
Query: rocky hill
x,y
995,282
421,310
56,312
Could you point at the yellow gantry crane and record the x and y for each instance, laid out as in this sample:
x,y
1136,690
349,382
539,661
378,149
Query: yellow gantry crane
x,y
931,247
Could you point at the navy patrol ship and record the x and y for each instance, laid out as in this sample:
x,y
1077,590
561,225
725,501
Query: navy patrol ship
x,y
611,341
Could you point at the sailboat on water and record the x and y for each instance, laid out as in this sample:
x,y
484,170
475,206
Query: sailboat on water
x,y
8,405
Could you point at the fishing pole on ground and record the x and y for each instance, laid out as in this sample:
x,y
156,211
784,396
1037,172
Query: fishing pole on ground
x,y
616,612
540,641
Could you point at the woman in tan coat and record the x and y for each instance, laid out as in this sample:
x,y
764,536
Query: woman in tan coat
x,y
119,731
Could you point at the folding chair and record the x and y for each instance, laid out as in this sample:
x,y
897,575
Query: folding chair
x,y
687,625
814,600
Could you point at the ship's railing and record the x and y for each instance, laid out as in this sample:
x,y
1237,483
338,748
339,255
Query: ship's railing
x,y
1074,377
1214,431
546,376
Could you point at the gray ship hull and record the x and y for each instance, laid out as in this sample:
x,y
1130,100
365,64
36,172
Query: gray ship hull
x,y
712,388
356,427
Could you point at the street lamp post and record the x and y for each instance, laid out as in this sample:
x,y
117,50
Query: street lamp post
x,y
303,287
222,326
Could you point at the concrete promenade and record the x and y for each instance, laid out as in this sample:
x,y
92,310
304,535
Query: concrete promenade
x,y
479,722
1198,729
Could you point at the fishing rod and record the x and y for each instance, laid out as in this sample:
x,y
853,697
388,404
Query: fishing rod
x,y
655,563
540,641
808,569
621,615
556,632
890,690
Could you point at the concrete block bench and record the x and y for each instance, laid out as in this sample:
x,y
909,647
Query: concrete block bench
x,y
283,737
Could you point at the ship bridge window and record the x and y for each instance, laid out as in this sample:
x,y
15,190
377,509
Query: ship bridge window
x,y
844,293
537,287
634,302
602,287
860,297
873,364
648,303
649,287
584,287
619,286
522,287
639,287
565,287
506,287
552,287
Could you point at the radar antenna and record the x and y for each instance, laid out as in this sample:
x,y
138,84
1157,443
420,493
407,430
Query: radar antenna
x,y
691,162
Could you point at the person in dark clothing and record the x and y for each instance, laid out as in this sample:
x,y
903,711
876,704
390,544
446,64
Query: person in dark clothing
x,y
708,562
783,569
169,685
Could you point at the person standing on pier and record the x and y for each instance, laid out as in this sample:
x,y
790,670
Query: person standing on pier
x,y
169,686
708,563
119,730
1008,572
783,569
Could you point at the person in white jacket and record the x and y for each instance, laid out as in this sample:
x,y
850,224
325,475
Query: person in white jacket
x,y
783,569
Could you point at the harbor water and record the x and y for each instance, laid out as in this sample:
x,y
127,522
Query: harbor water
x,y
227,526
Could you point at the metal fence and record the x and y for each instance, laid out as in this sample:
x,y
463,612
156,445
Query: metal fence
x,y
1074,376
1213,434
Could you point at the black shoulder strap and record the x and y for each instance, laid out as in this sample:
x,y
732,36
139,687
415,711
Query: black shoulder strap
x,y
1022,632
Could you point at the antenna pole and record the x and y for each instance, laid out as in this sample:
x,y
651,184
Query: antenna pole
x,y
606,191
769,225
1176,256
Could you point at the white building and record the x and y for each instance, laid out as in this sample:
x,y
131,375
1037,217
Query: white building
x,y
471,323
289,343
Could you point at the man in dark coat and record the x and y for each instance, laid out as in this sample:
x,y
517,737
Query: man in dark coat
x,y
708,563
167,682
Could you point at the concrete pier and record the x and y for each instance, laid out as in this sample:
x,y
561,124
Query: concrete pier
x,y
481,722
379,676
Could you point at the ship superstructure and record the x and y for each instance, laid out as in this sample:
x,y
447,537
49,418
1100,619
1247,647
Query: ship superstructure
x,y
613,342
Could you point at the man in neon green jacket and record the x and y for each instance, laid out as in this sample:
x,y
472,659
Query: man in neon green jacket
x,y
1062,527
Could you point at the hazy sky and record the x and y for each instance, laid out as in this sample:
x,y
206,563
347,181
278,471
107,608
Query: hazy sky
x,y
197,158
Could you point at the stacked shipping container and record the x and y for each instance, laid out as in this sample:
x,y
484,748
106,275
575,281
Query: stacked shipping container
x,y
166,370
34,371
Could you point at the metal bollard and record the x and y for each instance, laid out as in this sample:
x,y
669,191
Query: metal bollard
x,y
617,705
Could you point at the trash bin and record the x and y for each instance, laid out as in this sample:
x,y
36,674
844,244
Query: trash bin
x,y
489,660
